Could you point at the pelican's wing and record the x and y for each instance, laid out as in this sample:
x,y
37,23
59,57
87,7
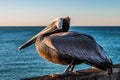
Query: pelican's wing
x,y
80,46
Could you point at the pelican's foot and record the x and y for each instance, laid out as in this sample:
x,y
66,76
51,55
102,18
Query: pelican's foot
x,y
60,74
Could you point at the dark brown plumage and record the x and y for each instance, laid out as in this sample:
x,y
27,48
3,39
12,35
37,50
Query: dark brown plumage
x,y
58,45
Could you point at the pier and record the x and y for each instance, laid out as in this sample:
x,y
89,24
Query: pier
x,y
87,74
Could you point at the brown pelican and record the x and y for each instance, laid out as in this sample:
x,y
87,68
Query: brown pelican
x,y
58,45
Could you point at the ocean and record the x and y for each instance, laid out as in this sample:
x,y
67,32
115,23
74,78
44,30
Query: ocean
x,y
15,65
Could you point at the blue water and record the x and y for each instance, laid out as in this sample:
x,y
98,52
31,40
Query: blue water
x,y
15,65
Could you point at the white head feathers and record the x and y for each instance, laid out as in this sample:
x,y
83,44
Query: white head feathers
x,y
58,22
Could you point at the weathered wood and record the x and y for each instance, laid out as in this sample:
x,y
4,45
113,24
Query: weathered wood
x,y
88,74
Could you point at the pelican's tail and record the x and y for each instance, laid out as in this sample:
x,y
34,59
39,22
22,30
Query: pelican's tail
x,y
103,66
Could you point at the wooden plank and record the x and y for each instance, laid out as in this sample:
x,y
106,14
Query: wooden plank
x,y
87,74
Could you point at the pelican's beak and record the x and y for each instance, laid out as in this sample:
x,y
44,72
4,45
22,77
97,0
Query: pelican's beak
x,y
48,29
28,43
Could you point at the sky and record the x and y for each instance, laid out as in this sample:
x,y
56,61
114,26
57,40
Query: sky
x,y
42,12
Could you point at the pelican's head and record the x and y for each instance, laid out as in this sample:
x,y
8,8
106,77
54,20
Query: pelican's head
x,y
57,25
61,23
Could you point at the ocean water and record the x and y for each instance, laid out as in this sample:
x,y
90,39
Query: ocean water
x,y
15,65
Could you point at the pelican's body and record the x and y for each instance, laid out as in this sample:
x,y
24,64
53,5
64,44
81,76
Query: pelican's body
x,y
58,45
50,48
72,47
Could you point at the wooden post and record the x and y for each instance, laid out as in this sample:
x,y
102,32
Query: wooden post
x,y
87,74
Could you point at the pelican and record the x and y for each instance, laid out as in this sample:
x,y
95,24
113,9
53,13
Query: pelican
x,y
57,44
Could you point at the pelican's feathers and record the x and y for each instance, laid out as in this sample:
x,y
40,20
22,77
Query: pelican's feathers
x,y
80,46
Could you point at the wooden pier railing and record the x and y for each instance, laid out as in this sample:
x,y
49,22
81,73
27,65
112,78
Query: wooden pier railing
x,y
87,74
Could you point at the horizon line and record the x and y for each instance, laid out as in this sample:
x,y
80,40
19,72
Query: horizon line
x,y
70,26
